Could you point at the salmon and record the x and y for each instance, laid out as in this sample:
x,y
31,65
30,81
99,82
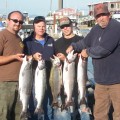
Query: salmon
x,y
69,77
81,79
40,85
56,80
25,85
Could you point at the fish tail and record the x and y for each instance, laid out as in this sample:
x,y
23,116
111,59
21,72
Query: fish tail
x,y
82,101
25,115
55,104
41,111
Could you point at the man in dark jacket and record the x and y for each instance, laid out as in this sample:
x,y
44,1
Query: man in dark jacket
x,y
103,45
40,45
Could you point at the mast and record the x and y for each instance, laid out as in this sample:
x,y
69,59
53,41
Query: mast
x,y
6,7
60,4
50,7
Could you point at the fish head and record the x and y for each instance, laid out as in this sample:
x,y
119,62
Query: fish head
x,y
28,61
55,61
41,64
24,62
71,56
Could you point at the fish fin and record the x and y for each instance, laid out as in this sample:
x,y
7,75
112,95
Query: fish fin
x,y
23,73
66,67
37,73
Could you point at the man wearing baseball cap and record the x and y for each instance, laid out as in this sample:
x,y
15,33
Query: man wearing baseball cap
x,y
103,45
40,45
61,45
65,22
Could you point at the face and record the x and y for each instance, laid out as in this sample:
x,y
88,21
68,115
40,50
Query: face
x,y
40,28
15,22
67,30
103,19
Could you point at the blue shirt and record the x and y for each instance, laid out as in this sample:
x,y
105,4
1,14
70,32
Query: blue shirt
x,y
32,46
42,42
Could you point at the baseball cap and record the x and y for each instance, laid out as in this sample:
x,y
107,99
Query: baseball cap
x,y
38,19
65,21
100,8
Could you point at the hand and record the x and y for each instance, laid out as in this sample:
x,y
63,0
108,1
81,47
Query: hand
x,y
19,56
69,49
84,53
61,56
37,56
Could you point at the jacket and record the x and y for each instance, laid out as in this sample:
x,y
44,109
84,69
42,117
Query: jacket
x,y
103,45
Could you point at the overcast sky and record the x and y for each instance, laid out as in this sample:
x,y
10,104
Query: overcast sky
x,y
42,7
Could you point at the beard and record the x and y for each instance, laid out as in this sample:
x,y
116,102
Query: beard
x,y
103,24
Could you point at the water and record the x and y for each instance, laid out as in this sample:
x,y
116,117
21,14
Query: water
x,y
90,71
84,32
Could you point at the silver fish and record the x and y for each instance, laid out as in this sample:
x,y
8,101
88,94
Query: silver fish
x,y
25,85
81,79
69,77
40,85
56,79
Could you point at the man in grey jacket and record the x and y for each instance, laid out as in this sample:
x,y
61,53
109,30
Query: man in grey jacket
x,y
103,45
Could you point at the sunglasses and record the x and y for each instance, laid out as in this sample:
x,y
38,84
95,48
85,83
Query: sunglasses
x,y
16,21
64,26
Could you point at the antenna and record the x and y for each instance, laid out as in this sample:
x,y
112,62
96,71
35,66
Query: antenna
x,y
50,7
6,7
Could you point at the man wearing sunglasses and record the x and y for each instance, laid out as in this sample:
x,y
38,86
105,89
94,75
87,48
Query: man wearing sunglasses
x,y
60,49
11,49
103,45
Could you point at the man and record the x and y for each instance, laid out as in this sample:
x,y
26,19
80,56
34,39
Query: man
x,y
40,45
103,45
11,49
60,49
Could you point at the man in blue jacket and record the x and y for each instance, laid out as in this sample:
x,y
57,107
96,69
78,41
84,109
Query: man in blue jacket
x,y
40,44
103,45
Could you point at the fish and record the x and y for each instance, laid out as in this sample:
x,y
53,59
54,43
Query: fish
x,y
40,85
82,77
69,77
25,85
56,80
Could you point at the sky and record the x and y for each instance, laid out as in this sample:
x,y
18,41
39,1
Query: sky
x,y
42,7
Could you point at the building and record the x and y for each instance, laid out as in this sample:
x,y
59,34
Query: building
x,y
113,6
73,14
